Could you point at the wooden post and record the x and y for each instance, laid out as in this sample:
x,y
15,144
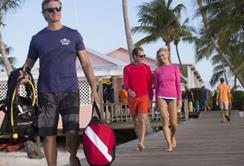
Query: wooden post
x,y
115,87
100,92
116,97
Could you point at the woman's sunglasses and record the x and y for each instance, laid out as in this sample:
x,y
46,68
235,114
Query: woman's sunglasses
x,y
52,10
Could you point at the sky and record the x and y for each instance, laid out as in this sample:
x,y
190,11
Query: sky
x,y
101,25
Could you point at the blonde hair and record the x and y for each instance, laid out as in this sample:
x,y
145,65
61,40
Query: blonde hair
x,y
164,49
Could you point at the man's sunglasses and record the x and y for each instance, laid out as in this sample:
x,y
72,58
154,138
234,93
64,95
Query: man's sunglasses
x,y
52,10
141,56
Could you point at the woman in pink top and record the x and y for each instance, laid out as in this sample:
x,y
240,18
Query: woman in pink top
x,y
168,95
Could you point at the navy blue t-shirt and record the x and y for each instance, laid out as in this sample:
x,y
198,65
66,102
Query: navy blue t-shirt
x,y
57,52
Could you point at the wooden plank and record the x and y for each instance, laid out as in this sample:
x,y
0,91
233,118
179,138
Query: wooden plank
x,y
130,125
200,142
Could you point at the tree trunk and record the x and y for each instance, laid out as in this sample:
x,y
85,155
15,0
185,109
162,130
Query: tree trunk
x,y
127,29
226,80
216,44
6,62
178,56
235,85
181,66
169,49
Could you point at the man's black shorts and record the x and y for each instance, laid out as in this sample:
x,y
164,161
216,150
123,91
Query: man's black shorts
x,y
67,104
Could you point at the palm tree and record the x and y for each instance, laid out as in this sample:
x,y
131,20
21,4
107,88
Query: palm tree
x,y
218,71
159,21
5,6
11,60
129,39
205,49
183,32
223,28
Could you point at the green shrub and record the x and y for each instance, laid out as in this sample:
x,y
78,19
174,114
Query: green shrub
x,y
238,100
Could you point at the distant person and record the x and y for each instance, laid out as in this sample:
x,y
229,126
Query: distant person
x,y
223,99
204,99
168,95
138,83
123,97
57,47
190,98
123,100
108,99
111,94
196,106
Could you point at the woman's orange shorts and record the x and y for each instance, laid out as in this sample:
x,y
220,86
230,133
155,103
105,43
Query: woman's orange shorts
x,y
138,105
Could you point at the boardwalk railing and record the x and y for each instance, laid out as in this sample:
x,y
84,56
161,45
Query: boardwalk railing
x,y
113,112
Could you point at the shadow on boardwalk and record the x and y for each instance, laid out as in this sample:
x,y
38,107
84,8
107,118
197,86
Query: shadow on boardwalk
x,y
200,142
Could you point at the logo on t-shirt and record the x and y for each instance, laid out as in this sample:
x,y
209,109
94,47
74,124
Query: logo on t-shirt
x,y
65,41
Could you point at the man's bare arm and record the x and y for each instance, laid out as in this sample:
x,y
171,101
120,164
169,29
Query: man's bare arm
x,y
29,63
88,71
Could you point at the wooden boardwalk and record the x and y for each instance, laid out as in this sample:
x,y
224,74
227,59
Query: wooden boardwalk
x,y
200,142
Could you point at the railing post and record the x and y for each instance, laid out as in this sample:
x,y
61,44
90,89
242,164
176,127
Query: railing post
x,y
100,92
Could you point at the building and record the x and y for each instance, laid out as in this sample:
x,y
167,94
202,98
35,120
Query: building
x,y
108,68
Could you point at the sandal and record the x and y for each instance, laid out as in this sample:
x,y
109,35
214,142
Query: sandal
x,y
227,117
170,149
78,161
140,147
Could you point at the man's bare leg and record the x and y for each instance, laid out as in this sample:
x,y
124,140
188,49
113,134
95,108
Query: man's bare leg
x,y
140,129
73,143
222,114
227,115
50,150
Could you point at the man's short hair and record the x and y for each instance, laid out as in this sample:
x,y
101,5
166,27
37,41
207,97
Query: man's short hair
x,y
136,51
44,2
222,80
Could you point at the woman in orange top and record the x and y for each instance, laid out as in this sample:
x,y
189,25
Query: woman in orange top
x,y
123,98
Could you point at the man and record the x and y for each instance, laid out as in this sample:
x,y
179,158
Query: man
x,y
190,98
204,99
57,48
223,99
138,83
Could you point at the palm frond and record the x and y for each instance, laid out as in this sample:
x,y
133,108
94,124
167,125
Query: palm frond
x,y
146,40
10,5
158,19
215,78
